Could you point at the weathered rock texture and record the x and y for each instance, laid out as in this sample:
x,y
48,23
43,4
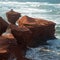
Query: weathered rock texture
x,y
30,32
22,35
3,25
4,55
12,16
10,37
42,30
13,50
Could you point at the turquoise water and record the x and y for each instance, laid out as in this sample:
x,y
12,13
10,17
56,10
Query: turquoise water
x,y
49,10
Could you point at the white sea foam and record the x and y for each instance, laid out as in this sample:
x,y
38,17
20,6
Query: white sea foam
x,y
49,52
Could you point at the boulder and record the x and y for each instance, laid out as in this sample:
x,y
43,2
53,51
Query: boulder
x,y
22,35
7,41
14,50
4,55
41,29
3,25
12,16
9,36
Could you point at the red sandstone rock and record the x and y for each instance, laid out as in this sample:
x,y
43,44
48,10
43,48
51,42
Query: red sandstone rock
x,y
4,55
11,43
12,16
22,35
9,51
3,25
42,30
14,50
10,37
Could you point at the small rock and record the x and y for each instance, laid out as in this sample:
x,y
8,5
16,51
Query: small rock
x,y
12,16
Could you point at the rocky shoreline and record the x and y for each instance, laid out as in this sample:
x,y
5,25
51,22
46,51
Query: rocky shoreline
x,y
30,32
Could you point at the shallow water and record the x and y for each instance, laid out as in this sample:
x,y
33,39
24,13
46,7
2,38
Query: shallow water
x,y
45,10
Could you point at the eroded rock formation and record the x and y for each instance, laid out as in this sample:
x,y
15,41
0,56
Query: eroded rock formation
x,y
22,34
14,50
12,16
4,55
3,25
42,30
30,32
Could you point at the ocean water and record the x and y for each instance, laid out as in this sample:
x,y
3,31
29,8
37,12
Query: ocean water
x,y
47,9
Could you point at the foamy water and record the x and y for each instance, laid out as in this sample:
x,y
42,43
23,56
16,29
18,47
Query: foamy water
x,y
43,10
46,52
